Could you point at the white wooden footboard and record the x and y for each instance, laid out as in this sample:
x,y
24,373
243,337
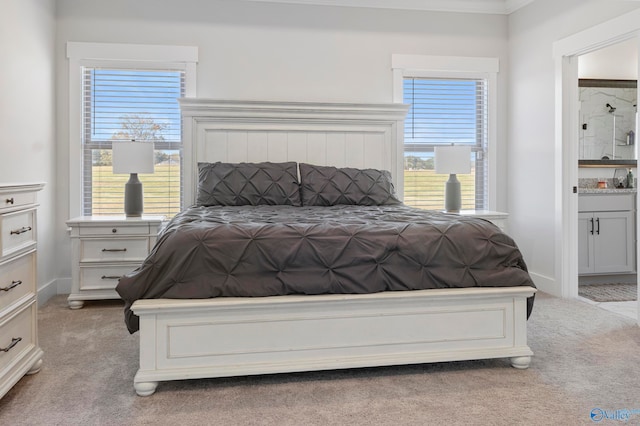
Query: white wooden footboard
x,y
188,339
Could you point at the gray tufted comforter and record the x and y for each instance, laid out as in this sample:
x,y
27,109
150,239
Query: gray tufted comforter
x,y
275,250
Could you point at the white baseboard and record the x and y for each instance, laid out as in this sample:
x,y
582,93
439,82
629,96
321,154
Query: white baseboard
x,y
53,288
546,284
47,291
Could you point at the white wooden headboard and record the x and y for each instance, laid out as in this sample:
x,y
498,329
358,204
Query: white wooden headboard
x,y
332,134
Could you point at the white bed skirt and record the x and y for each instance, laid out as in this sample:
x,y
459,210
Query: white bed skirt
x,y
190,339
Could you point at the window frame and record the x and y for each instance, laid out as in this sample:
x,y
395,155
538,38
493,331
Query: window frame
x,y
424,66
134,56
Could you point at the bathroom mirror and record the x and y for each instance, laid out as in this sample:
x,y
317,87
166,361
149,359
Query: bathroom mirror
x,y
607,121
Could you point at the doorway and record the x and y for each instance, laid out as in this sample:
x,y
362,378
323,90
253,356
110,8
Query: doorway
x,y
567,53
607,167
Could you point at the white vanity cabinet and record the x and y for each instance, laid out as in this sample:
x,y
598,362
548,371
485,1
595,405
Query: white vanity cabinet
x,y
606,233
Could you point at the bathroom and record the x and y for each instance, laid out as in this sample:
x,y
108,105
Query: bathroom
x,y
607,178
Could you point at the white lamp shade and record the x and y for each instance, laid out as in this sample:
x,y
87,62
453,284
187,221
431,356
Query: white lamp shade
x,y
452,159
132,157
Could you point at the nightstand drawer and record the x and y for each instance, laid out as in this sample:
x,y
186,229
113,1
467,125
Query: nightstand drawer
x,y
17,279
18,231
103,277
113,249
16,336
115,230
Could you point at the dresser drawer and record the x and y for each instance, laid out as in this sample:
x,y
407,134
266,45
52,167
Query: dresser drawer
x,y
103,277
15,200
113,249
16,336
115,230
18,231
17,279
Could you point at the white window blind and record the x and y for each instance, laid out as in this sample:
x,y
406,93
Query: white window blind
x,y
444,111
131,104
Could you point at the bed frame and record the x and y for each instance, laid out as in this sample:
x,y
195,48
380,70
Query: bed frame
x,y
188,339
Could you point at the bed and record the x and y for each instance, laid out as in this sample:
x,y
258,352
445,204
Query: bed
x,y
293,256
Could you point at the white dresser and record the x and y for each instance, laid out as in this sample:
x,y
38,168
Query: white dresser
x,y
104,248
19,351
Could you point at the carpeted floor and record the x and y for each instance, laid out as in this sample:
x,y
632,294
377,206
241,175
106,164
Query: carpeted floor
x,y
586,359
611,292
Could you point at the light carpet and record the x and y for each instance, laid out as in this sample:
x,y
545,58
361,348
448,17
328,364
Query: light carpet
x,y
585,359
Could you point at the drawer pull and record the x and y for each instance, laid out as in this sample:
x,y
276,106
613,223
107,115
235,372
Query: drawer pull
x,y
14,284
21,230
111,277
9,200
14,342
123,249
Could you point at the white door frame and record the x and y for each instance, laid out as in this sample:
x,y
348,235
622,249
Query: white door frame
x,y
566,52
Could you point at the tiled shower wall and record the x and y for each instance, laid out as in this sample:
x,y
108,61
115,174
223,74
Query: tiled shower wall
x,y
606,133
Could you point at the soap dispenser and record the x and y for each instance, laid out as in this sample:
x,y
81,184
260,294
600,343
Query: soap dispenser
x,y
630,179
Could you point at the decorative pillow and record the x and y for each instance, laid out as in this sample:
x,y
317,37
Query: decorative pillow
x,y
328,186
239,184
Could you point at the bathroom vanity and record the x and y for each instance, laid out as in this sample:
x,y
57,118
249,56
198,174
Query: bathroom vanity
x,y
606,231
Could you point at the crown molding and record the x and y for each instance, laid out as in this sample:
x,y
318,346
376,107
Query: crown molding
x,y
501,7
513,5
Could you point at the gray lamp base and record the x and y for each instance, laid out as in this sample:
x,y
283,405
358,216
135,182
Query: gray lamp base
x,y
452,197
133,197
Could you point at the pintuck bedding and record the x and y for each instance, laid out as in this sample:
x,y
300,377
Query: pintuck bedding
x,y
345,233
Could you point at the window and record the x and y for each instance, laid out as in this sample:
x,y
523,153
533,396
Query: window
x,y
451,103
129,104
444,112
130,93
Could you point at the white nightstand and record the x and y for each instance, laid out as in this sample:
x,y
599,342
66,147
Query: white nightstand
x,y
104,248
499,219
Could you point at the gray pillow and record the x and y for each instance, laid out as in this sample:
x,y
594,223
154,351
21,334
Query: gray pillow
x,y
239,184
329,186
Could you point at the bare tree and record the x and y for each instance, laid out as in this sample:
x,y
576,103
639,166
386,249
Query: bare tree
x,y
140,128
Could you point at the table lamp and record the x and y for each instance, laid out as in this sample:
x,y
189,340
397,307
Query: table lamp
x,y
451,160
133,157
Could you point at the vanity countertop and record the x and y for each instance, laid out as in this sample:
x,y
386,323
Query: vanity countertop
x,y
606,190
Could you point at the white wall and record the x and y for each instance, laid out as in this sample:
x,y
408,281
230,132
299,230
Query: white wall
x,y
27,115
615,62
531,156
250,50
291,52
